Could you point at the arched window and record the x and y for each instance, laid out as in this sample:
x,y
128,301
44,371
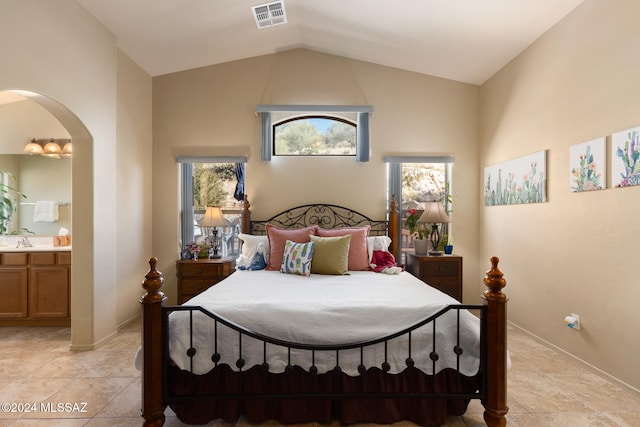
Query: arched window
x,y
303,130
316,135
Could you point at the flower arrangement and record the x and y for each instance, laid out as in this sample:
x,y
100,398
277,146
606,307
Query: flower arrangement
x,y
417,229
190,250
195,250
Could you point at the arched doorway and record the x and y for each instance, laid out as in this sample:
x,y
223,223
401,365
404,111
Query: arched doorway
x,y
82,300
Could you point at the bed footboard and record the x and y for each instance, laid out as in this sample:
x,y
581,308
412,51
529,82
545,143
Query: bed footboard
x,y
153,301
493,369
495,402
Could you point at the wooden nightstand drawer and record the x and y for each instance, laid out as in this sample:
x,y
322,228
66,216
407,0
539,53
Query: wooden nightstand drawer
x,y
200,269
446,284
197,276
445,267
441,272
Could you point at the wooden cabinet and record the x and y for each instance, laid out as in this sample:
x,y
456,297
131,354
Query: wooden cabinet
x,y
49,285
35,288
441,272
197,276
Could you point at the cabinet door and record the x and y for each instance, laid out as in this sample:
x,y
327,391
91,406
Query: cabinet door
x,y
49,292
13,288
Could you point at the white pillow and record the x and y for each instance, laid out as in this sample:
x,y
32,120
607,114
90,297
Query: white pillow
x,y
249,245
370,239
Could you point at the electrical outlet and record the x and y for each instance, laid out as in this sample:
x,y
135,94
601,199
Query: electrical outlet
x,y
573,321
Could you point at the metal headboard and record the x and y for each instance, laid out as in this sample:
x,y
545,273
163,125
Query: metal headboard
x,y
324,215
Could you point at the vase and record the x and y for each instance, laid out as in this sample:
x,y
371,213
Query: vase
x,y
421,246
448,249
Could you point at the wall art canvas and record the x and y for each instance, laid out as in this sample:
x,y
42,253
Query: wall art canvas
x,y
517,181
625,158
587,162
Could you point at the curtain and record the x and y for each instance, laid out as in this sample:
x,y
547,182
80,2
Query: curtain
x,y
238,194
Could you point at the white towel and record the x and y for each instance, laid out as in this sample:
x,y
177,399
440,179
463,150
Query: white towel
x,y
45,212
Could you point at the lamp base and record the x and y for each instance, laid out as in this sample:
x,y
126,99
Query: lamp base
x,y
435,253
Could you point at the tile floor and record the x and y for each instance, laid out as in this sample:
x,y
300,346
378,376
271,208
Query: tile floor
x,y
545,387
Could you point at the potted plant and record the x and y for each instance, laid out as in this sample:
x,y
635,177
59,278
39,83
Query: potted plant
x,y
8,201
418,231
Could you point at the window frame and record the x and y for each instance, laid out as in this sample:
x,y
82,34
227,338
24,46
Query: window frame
x,y
187,213
265,112
394,178
290,119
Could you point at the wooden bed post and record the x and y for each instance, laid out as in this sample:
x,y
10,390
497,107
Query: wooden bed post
x,y
393,228
246,216
152,330
495,403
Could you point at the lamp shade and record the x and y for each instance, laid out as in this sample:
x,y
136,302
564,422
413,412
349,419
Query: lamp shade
x,y
434,213
67,149
213,218
33,148
52,147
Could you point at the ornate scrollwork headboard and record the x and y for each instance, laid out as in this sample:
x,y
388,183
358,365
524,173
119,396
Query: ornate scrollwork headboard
x,y
324,215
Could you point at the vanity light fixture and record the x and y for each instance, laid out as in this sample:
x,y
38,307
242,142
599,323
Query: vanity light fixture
x,y
52,148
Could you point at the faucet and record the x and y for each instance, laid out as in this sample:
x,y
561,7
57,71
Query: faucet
x,y
24,242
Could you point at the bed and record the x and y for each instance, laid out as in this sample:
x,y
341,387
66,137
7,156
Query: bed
x,y
353,347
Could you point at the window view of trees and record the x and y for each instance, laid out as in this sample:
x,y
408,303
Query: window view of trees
x,y
214,184
314,136
422,182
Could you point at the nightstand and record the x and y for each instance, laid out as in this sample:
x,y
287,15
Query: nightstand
x,y
197,276
441,272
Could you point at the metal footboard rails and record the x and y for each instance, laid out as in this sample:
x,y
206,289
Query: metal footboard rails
x,y
288,346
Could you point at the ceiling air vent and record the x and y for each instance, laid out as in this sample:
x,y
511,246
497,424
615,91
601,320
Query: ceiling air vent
x,y
269,14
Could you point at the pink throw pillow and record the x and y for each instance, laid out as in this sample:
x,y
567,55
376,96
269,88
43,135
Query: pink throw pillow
x,y
278,237
358,253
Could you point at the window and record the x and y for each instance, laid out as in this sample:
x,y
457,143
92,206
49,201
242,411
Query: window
x,y
414,181
320,130
314,136
215,182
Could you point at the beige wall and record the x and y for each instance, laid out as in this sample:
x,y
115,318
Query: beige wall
x,y
577,252
211,111
71,63
133,180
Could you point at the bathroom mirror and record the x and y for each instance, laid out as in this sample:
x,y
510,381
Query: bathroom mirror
x,y
38,177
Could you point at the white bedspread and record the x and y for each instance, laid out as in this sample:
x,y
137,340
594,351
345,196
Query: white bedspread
x,y
323,309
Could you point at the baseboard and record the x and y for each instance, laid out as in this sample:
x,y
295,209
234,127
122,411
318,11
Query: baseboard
x,y
586,364
106,339
126,323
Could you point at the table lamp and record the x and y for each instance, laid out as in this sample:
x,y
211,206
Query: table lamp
x,y
434,214
213,218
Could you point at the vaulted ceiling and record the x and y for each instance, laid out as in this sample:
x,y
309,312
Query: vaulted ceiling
x,y
462,40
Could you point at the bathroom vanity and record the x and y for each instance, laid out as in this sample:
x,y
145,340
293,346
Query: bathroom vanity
x,y
35,285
